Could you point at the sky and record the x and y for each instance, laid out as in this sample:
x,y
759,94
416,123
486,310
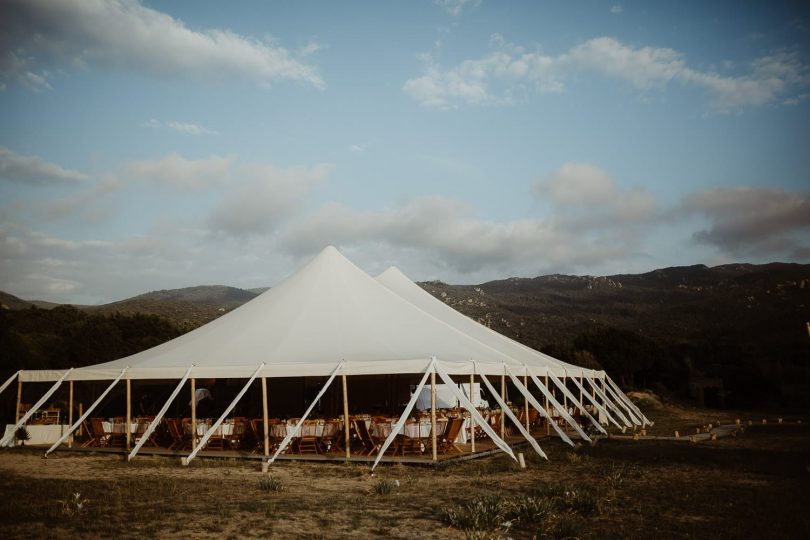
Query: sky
x,y
155,145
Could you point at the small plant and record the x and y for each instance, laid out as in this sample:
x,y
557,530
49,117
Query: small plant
x,y
574,458
614,475
22,435
384,487
529,510
481,513
566,528
74,505
271,484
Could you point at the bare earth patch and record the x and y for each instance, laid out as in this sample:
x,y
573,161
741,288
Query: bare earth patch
x,y
754,485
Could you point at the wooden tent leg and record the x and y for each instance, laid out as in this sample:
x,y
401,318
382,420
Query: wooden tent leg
x,y
346,432
17,411
526,403
266,418
472,422
503,398
433,415
70,413
128,424
193,412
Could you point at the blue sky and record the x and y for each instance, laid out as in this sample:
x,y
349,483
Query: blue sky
x,y
150,145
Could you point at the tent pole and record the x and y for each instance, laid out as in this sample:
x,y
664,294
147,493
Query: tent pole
x,y
548,416
70,413
128,424
565,396
266,418
513,418
17,412
472,424
19,400
80,413
193,411
503,399
83,416
433,414
526,401
346,420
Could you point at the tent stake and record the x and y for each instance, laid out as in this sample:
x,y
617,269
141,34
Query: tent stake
x,y
433,414
346,433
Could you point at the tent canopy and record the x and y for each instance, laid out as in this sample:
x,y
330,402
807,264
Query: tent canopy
x,y
328,312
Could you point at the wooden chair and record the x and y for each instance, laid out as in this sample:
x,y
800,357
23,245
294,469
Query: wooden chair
x,y
256,426
181,439
308,437
92,439
142,423
382,429
447,442
330,436
117,435
364,437
411,444
236,437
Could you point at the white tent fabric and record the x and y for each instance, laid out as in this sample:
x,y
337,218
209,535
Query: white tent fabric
x,y
399,283
328,311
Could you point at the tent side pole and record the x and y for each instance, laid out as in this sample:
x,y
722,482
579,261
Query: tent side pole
x,y
472,424
70,413
266,418
503,399
128,424
193,412
346,432
526,401
19,401
17,411
549,418
433,415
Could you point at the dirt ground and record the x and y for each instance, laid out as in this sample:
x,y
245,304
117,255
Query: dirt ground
x,y
753,485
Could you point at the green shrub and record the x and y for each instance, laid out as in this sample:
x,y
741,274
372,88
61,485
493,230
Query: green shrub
x,y
271,484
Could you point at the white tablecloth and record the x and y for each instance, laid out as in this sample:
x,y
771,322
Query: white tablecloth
x,y
40,434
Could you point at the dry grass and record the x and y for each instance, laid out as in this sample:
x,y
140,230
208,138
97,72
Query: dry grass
x,y
754,486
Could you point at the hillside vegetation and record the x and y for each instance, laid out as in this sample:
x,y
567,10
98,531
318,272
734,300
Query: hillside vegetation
x,y
742,327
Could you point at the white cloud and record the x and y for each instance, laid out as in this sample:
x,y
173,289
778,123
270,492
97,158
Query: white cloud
x,y
176,171
34,170
616,9
505,75
267,196
746,220
185,128
125,34
456,7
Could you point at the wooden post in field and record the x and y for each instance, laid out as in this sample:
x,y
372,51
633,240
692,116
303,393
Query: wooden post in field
x,y
81,412
526,401
346,420
472,422
503,398
548,413
70,413
266,418
129,413
193,412
433,414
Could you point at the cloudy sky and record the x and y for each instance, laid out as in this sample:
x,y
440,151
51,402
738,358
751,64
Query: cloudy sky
x,y
151,145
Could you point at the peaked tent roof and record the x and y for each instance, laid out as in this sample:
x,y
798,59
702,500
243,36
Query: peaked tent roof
x,y
327,312
399,283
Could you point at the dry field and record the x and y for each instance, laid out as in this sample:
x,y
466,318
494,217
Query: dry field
x,y
754,485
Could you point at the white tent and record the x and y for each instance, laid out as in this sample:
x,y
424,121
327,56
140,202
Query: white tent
x,y
330,318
